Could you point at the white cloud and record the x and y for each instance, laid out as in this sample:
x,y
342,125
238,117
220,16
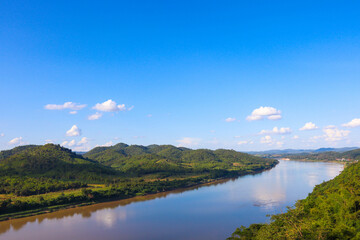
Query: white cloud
x,y
109,106
267,139
353,123
83,148
130,108
276,130
274,117
245,142
68,143
264,112
83,141
73,112
82,145
108,144
67,105
95,116
308,126
270,141
73,131
229,119
332,134
49,141
71,143
16,141
149,115
295,137
188,142
2,134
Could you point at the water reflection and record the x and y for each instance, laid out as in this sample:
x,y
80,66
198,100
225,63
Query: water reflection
x,y
102,213
108,218
208,212
333,171
312,179
269,198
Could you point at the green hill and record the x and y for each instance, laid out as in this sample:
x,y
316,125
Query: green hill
x,y
323,156
51,161
141,160
354,154
7,153
37,179
331,211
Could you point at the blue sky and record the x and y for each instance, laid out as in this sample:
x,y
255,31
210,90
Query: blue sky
x,y
185,73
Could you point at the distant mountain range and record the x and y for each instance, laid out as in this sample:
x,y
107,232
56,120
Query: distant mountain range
x,y
299,151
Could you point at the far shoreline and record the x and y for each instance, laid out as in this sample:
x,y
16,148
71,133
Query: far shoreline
x,y
309,160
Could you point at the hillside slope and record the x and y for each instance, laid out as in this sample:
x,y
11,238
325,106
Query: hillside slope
x,y
51,161
351,155
38,179
331,211
7,153
167,158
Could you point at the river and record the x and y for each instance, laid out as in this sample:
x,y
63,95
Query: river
x,y
207,212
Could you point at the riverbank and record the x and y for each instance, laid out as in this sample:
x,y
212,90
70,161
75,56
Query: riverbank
x,y
330,211
207,212
317,160
92,194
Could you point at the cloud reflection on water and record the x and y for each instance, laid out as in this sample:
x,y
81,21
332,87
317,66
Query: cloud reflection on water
x,y
108,217
269,198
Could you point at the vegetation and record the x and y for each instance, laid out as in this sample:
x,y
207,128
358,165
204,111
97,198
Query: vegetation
x,y
123,189
169,160
348,156
8,153
53,161
331,211
35,179
26,186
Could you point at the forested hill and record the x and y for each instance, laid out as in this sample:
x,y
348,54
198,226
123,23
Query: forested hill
x,y
50,161
36,179
167,158
7,153
352,155
122,160
331,211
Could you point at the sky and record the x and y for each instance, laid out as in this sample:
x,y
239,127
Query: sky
x,y
243,75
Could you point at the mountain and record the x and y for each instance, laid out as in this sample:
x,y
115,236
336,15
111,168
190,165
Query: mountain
x,y
167,158
50,161
7,153
354,154
120,171
299,151
340,150
331,211
122,160
322,156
